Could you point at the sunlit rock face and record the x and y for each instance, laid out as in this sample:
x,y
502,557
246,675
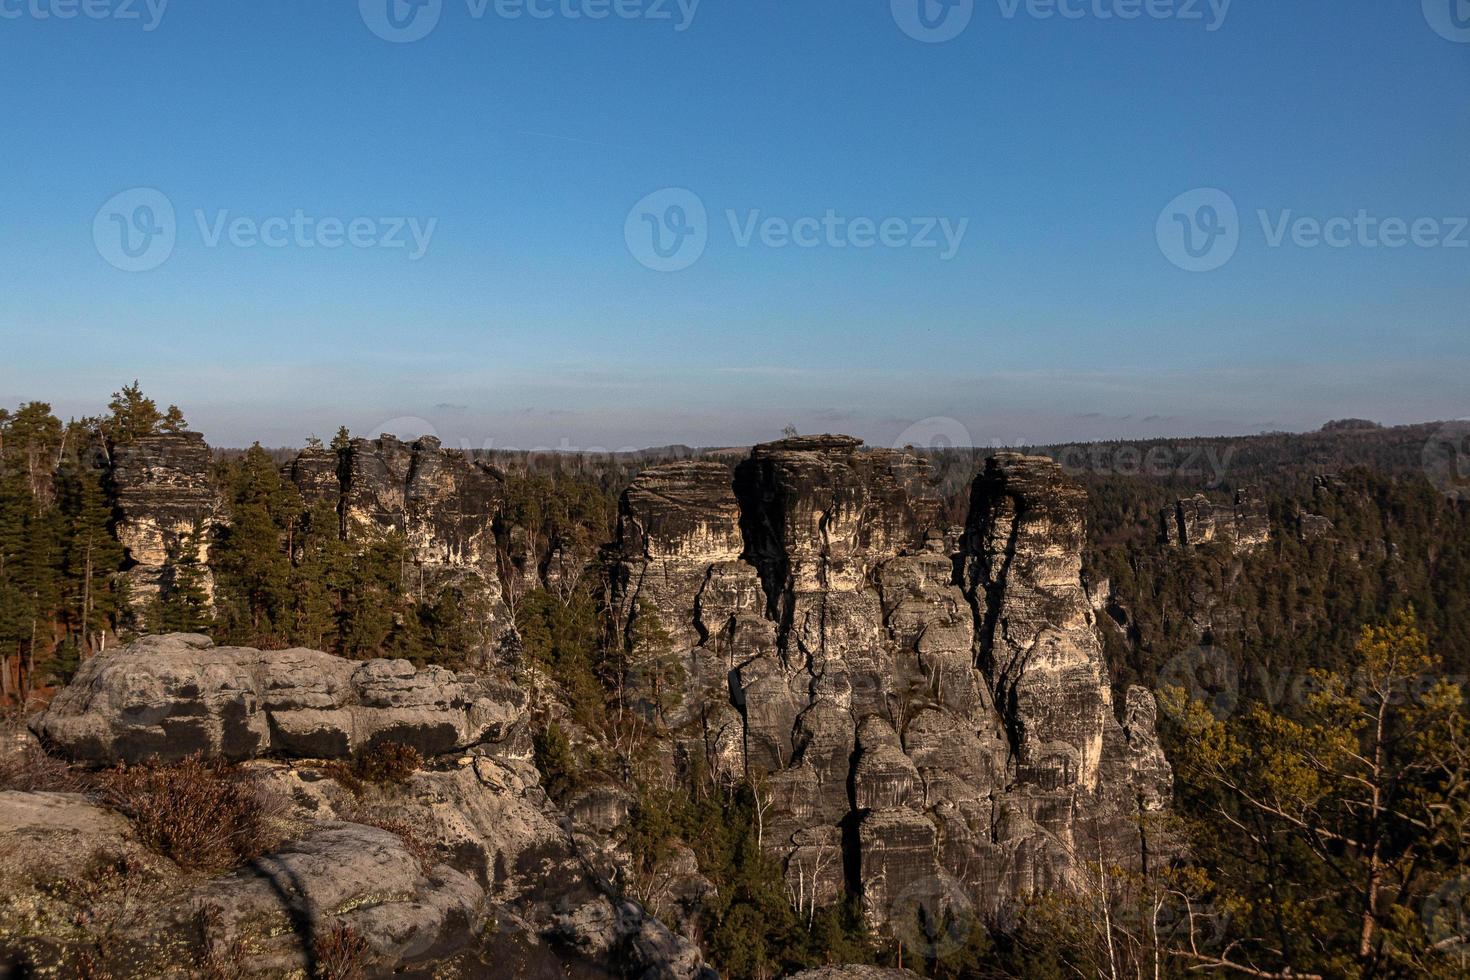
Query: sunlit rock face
x,y
1196,521
1037,645
168,697
443,503
678,535
928,713
166,503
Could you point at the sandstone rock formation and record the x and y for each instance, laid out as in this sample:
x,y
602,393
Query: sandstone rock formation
x,y
443,503
933,725
1197,521
165,501
336,875
466,869
77,888
171,696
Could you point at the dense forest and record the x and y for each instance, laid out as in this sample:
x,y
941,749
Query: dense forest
x,y
1311,687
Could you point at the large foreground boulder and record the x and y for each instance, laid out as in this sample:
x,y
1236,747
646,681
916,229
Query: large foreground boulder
x,y
287,907
167,697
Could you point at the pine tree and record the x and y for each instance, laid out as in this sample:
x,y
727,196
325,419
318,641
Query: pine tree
x,y
319,576
184,605
173,421
252,557
371,599
1340,817
658,672
31,440
92,555
134,416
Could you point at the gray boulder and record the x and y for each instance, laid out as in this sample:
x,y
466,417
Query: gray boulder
x,y
167,697
284,907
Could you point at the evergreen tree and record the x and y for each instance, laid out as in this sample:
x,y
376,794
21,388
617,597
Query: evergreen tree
x,y
1333,825
31,440
184,605
371,621
92,555
252,556
319,576
658,673
134,415
173,421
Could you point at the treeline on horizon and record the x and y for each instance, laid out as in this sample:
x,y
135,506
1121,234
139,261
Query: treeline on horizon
x,y
1322,812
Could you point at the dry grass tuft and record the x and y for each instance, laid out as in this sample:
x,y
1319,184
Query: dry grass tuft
x,y
30,770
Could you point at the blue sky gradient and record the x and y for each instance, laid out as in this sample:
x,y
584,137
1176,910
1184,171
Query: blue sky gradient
x,y
528,321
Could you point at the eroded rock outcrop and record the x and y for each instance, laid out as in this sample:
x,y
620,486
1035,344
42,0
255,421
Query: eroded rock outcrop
x,y
166,502
930,713
171,696
442,502
1197,520
464,869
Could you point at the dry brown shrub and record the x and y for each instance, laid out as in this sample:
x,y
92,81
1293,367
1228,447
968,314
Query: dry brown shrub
x,y
387,763
382,764
340,953
30,770
209,816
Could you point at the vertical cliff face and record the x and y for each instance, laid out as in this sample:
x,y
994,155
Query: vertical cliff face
x,y
163,494
443,503
1036,642
678,527
931,724
1197,520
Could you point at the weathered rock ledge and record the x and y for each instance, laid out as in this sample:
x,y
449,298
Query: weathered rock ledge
x,y
167,697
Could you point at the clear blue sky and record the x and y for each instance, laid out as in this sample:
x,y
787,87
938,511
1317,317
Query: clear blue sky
x,y
528,320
